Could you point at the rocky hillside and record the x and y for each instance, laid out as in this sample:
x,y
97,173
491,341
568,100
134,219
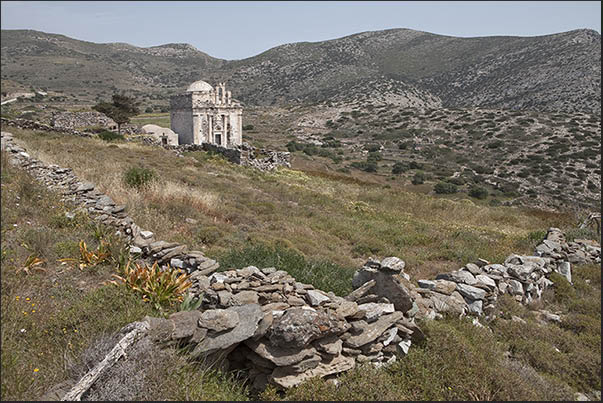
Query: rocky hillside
x,y
86,69
559,72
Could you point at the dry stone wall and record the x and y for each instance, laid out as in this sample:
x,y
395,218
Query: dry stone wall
x,y
32,125
103,209
284,331
73,120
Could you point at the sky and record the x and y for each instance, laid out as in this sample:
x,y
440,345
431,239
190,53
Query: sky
x,y
236,30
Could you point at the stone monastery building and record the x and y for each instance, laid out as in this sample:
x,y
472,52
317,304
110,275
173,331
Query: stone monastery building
x,y
205,114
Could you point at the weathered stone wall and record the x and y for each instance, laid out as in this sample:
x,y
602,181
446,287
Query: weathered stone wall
x,y
103,209
73,120
31,125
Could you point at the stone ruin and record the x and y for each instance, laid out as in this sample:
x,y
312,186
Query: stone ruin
x,y
283,331
79,120
244,154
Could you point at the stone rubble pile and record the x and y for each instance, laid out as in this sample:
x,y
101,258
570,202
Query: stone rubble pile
x,y
100,206
285,332
580,251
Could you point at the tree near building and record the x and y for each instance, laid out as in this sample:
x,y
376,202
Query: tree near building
x,y
120,110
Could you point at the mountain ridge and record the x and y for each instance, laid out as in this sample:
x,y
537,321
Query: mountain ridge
x,y
553,72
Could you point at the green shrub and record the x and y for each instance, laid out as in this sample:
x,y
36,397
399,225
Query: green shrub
x,y
248,127
139,177
373,157
110,136
418,179
445,188
367,166
457,181
563,289
478,192
415,165
398,168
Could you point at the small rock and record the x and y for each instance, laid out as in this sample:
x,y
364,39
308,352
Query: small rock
x,y
565,269
393,264
315,298
374,310
470,291
404,346
473,268
428,284
177,263
146,234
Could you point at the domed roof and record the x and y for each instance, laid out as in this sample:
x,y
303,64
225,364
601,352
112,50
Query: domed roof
x,y
199,86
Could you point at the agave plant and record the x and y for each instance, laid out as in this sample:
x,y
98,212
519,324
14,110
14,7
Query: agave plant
x,y
88,258
31,263
160,287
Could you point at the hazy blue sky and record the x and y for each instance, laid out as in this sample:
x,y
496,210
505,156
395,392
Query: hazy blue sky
x,y
235,30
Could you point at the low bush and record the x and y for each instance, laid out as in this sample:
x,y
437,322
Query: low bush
x,y
110,136
478,192
139,177
160,287
418,178
445,188
398,168
367,166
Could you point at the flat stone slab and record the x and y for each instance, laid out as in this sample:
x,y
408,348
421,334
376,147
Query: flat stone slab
x,y
283,377
316,298
219,319
459,276
470,291
374,310
279,356
249,315
370,331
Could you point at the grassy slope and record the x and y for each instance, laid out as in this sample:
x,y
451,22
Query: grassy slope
x,y
324,220
339,221
53,319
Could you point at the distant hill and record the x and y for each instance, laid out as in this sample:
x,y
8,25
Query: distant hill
x,y
559,72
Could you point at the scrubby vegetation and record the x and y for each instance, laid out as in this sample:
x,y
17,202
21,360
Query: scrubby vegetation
x,y
317,227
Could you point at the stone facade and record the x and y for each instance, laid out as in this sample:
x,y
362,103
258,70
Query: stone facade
x,y
205,114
